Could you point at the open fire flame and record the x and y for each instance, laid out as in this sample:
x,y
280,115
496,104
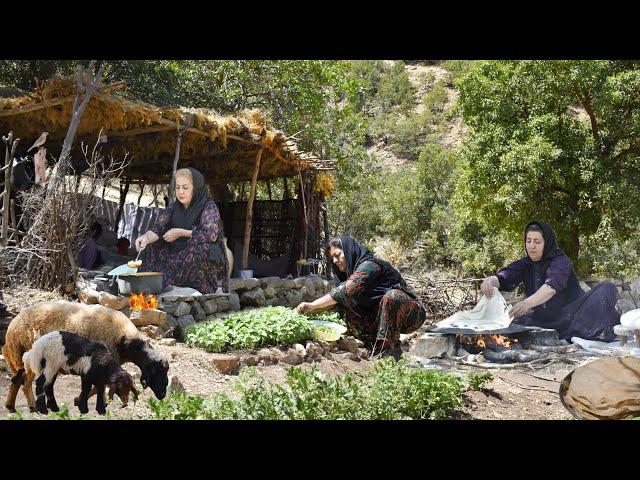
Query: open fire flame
x,y
480,342
138,301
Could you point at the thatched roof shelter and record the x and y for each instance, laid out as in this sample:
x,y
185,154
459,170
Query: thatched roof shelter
x,y
223,148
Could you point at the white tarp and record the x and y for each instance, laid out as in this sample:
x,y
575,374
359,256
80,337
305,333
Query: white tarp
x,y
488,314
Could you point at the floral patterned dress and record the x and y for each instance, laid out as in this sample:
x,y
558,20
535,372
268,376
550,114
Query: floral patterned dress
x,y
396,313
192,266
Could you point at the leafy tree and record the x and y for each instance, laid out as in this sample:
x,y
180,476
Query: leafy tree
x,y
556,140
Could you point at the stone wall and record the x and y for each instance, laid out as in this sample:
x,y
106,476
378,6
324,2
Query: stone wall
x,y
184,310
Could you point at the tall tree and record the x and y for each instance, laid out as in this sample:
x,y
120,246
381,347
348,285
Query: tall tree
x,y
557,140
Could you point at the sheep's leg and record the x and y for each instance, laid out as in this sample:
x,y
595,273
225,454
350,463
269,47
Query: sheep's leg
x,y
14,387
40,394
51,399
91,394
84,395
28,390
100,407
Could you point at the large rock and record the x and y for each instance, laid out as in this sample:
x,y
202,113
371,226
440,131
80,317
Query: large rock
x,y
289,284
183,308
223,304
179,293
198,312
153,316
234,301
300,282
169,342
185,321
210,307
253,298
250,360
89,296
170,325
433,345
270,292
294,298
108,300
308,295
275,282
251,283
350,344
225,363
236,284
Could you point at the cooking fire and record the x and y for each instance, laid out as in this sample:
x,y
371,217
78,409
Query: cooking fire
x,y
140,302
478,343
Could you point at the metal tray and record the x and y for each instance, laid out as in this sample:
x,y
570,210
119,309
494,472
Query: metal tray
x,y
513,328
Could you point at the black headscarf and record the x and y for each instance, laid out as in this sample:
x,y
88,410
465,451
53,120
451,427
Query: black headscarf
x,y
551,249
187,217
354,255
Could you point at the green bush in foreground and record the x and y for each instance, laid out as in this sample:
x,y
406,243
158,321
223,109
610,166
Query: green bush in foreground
x,y
390,391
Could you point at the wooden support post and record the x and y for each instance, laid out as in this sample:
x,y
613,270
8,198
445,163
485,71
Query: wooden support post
x,y
123,197
249,219
141,192
269,188
326,239
10,151
172,186
285,194
13,220
306,218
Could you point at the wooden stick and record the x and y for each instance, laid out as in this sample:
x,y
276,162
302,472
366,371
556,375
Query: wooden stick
x,y
141,192
326,239
249,219
172,185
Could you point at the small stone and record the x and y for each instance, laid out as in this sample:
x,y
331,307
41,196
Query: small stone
x,y
294,298
210,307
275,282
289,285
363,353
224,363
300,349
198,312
292,357
325,346
461,352
300,282
251,360
111,301
150,330
349,344
175,385
234,301
169,307
353,356
169,342
183,308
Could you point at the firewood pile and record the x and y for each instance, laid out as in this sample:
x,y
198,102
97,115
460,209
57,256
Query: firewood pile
x,y
443,298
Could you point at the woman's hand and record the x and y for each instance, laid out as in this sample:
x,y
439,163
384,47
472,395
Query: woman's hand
x,y
141,242
303,307
519,309
174,234
488,284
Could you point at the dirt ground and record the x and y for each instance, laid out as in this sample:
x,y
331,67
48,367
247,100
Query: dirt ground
x,y
514,394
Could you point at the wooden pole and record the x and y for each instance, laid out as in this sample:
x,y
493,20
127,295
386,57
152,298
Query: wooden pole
x,y
13,220
172,186
306,218
326,239
249,219
141,192
10,151
123,197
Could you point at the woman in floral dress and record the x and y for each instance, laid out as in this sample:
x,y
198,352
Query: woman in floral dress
x,y
378,304
186,242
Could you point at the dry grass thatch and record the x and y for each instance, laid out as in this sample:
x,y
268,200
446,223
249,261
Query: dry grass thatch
x,y
224,148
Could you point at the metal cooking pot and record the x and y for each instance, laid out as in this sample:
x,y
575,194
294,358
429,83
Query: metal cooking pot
x,y
143,282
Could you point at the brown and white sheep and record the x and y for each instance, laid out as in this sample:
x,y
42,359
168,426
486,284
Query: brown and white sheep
x,y
96,322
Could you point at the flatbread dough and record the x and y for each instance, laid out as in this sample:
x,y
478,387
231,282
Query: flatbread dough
x,y
607,388
488,314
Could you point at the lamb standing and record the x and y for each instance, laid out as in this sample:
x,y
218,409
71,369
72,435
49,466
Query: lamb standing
x,y
67,352
96,322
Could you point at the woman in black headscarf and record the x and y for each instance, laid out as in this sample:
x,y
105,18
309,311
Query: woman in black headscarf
x,y
189,235
554,297
378,304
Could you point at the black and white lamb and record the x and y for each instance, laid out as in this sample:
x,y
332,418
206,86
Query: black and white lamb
x,y
64,352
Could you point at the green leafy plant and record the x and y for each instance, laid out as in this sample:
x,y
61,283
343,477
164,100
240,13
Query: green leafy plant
x,y
477,381
392,390
251,329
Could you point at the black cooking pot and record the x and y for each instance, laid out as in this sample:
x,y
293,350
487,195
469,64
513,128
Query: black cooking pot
x,y
142,282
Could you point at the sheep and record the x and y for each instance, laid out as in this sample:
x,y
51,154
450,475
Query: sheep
x,y
66,352
96,322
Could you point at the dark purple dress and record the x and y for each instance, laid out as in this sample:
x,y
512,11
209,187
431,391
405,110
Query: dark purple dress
x,y
194,266
571,311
